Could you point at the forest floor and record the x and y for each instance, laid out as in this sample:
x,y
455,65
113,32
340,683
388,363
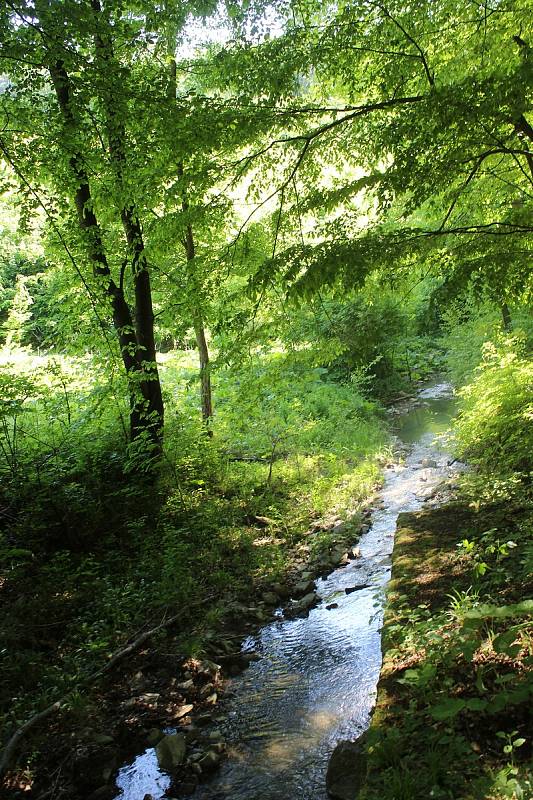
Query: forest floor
x,y
454,708
221,539
67,612
79,749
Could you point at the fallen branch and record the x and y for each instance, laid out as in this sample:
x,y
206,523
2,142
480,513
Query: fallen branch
x,y
9,750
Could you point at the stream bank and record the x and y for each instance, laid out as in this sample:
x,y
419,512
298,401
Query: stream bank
x,y
314,682
453,716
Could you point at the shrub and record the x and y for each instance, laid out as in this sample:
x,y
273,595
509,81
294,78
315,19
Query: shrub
x,y
495,426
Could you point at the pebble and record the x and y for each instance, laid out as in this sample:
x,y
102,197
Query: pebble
x,y
183,711
350,589
150,697
303,588
209,761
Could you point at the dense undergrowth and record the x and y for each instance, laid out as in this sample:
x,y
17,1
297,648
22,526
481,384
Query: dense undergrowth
x,y
91,556
97,545
99,542
454,709
331,203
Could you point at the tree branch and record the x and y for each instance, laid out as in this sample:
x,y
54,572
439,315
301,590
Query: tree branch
x,y
358,111
9,750
490,228
422,55
479,161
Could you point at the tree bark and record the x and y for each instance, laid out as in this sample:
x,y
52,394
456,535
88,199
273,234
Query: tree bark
x,y
506,317
201,341
152,414
88,222
144,328
206,394
205,377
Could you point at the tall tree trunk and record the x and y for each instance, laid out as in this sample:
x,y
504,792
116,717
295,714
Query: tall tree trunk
x,y
88,222
201,341
206,394
144,326
150,384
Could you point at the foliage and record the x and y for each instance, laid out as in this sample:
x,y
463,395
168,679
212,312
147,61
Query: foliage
x,y
495,426
457,679
371,339
98,554
406,152
311,197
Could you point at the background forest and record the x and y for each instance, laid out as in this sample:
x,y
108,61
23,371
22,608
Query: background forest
x,y
232,234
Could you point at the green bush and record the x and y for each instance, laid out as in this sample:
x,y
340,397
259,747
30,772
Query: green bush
x,y
468,327
494,429
370,339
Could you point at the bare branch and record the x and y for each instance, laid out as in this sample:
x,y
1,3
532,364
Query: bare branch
x,y
9,751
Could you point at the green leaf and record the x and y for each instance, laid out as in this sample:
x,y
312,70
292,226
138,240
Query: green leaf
x,y
505,643
448,708
18,552
476,704
477,616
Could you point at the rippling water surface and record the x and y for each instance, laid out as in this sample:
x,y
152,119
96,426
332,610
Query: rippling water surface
x,y
316,680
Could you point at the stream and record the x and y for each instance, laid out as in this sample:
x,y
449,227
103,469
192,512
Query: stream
x,y
315,682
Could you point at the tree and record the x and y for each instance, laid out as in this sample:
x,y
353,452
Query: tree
x,y
412,143
62,67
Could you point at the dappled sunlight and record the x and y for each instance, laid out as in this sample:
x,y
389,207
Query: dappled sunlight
x,y
284,751
238,239
315,681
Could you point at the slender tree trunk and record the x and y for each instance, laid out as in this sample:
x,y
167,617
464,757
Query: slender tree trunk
x,y
522,125
201,341
206,394
150,385
506,317
205,378
88,222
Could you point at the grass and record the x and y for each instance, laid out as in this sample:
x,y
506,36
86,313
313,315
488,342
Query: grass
x,y
454,710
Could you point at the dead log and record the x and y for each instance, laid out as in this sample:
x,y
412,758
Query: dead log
x,y
8,753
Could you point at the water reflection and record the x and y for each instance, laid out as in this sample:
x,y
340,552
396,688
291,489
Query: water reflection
x,y
431,417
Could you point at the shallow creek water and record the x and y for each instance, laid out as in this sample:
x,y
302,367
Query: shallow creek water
x,y
316,680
